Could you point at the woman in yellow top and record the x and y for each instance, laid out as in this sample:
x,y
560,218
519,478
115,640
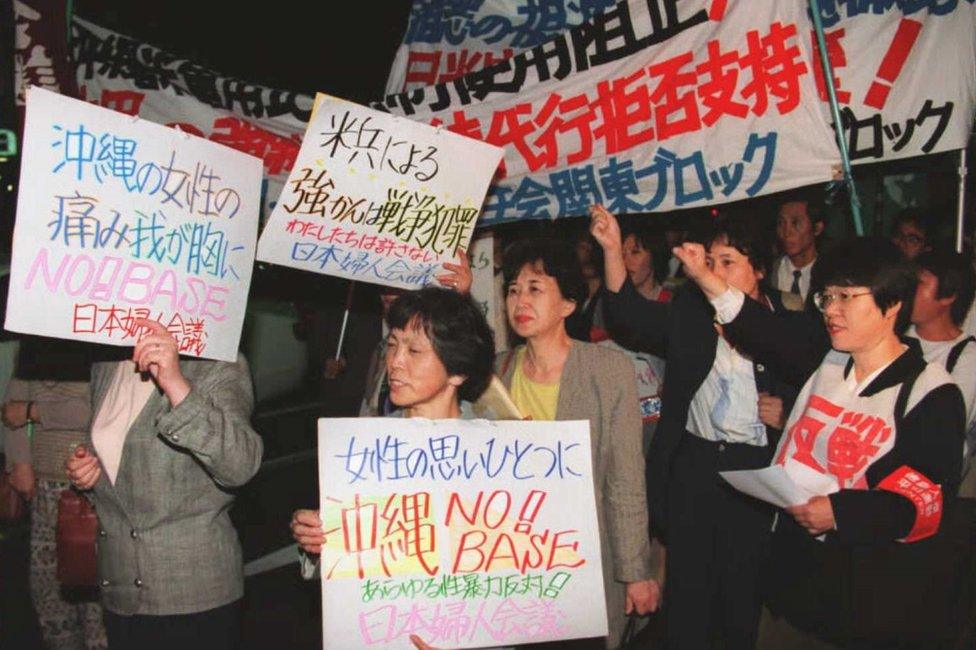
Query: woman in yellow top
x,y
553,377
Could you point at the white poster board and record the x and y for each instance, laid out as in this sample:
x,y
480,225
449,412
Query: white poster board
x,y
466,533
120,219
377,197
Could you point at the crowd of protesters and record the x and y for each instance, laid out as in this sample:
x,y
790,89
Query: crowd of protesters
x,y
692,350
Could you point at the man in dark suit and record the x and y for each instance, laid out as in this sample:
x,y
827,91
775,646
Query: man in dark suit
x,y
799,224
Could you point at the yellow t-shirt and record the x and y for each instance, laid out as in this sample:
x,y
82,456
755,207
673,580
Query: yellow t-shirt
x,y
532,398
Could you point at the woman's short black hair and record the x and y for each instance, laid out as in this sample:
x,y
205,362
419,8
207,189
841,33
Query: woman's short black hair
x,y
457,330
555,258
741,232
874,262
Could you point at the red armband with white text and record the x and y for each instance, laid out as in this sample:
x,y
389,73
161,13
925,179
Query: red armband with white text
x,y
925,495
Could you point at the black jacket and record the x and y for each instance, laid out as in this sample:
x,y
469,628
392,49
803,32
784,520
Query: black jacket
x,y
683,333
861,586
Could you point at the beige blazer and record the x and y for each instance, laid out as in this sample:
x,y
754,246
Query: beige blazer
x,y
599,385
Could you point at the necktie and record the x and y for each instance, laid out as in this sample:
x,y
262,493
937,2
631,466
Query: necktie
x,y
796,282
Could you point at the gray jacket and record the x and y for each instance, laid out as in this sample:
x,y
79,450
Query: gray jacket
x,y
599,385
166,544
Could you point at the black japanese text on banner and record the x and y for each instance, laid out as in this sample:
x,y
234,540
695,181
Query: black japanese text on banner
x,y
378,198
137,78
446,40
905,74
646,109
120,219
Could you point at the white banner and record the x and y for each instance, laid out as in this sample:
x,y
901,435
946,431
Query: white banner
x,y
446,40
905,75
120,219
378,198
467,534
650,106
893,106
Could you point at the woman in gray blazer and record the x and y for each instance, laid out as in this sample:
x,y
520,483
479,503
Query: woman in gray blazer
x,y
171,438
553,377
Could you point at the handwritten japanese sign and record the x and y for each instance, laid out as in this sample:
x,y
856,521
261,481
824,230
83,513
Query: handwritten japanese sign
x,y
120,219
466,533
377,198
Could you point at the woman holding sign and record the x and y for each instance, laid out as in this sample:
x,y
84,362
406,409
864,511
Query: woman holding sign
x,y
438,361
171,438
553,377
871,564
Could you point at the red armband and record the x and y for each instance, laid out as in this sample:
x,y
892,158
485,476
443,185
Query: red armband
x,y
925,495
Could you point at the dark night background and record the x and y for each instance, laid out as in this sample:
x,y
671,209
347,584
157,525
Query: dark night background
x,y
343,48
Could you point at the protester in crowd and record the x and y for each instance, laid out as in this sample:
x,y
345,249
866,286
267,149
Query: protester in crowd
x,y
438,359
944,295
376,397
554,377
877,432
675,233
640,248
721,411
799,223
170,439
911,233
46,413
639,251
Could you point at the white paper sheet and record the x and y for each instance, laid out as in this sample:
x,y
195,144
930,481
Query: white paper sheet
x,y
774,485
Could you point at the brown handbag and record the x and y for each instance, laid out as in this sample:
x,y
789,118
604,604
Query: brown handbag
x,y
76,532
12,505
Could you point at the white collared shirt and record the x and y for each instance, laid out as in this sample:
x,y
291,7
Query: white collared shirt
x,y
784,276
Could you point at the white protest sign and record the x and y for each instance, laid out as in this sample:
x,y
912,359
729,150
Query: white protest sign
x,y
120,219
378,198
467,533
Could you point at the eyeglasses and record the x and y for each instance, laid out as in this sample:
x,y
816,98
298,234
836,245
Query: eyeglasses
x,y
822,299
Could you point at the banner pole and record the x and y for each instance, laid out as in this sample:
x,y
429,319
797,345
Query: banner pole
x,y
345,319
828,74
960,213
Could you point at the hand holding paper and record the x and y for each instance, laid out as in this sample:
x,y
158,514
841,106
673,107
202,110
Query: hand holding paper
x,y
774,485
816,516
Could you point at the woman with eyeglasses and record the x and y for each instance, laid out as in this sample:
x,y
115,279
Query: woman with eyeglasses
x,y
720,411
866,563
